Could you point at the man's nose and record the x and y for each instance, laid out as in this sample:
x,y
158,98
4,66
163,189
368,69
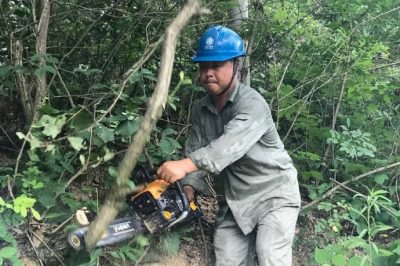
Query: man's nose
x,y
209,72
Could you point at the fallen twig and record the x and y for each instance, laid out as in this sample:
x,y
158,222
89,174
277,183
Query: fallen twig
x,y
55,255
34,249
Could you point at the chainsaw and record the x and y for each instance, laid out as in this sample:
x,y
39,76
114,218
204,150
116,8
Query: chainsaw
x,y
158,206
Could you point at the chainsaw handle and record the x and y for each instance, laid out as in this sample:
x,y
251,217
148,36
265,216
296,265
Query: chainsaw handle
x,y
185,204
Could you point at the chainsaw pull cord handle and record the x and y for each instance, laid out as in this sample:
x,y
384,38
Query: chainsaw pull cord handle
x,y
185,204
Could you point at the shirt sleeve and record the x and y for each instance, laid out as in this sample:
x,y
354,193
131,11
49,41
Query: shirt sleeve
x,y
249,123
194,142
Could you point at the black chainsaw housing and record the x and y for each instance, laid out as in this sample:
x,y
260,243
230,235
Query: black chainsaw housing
x,y
160,204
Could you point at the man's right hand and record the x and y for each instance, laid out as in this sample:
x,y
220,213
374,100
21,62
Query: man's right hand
x,y
189,191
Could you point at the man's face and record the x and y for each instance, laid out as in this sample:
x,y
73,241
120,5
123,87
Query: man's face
x,y
215,76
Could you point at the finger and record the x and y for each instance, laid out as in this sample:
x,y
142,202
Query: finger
x,y
159,171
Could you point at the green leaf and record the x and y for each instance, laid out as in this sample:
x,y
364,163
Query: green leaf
x,y
127,128
142,241
112,171
36,214
169,146
131,256
104,133
52,125
2,202
82,159
108,154
8,252
355,261
33,141
40,72
380,179
76,143
396,250
47,199
114,254
82,120
4,71
339,260
322,256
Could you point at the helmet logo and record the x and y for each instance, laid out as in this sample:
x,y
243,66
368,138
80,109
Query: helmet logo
x,y
209,43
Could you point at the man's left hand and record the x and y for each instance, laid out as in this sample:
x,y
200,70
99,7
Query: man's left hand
x,y
172,171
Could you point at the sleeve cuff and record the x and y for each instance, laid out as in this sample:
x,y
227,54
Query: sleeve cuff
x,y
197,181
203,161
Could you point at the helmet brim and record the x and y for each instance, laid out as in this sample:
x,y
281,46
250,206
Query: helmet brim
x,y
213,58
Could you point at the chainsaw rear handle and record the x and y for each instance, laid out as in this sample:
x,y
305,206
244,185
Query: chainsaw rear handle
x,y
185,204
150,173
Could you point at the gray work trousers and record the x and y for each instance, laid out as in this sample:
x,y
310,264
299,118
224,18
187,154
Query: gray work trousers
x,y
271,240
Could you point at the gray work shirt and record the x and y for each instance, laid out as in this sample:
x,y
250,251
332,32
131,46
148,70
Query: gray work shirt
x,y
241,146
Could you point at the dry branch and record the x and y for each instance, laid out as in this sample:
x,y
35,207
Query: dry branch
x,y
114,201
333,190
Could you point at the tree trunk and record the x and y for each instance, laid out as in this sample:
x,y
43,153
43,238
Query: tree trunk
x,y
238,13
31,99
41,45
23,88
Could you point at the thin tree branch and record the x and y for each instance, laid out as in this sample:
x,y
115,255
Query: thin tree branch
x,y
336,113
65,87
333,190
47,246
280,84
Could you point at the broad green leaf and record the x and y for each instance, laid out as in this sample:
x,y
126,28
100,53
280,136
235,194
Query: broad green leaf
x,y
76,143
82,120
355,261
8,252
339,260
169,146
104,133
322,256
127,128
380,179
52,124
397,249
47,199
33,141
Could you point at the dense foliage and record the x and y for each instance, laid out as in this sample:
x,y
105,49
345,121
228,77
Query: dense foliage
x,y
330,71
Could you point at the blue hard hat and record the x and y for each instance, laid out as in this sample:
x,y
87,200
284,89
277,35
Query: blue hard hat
x,y
218,44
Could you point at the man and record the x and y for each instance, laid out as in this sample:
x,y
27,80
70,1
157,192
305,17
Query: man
x,y
234,137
